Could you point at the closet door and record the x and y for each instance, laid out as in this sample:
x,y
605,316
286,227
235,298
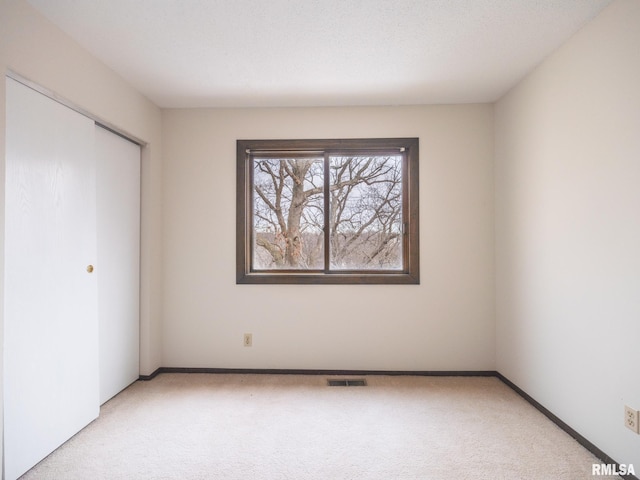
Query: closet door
x,y
118,201
51,325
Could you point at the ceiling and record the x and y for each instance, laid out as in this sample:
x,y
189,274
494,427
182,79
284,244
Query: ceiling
x,y
277,53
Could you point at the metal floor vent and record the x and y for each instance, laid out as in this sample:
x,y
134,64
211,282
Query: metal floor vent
x,y
351,382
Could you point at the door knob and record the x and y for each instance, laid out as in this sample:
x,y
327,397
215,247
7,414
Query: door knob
x,y
90,268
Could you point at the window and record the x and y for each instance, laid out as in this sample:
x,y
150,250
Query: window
x,y
327,211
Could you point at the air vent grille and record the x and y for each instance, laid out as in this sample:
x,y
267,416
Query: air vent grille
x,y
350,382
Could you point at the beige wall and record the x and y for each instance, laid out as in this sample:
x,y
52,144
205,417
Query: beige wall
x,y
568,231
446,323
33,48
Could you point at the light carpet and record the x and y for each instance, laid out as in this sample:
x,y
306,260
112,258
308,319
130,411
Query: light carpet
x,y
214,426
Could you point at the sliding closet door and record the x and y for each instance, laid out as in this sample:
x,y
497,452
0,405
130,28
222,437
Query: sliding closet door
x,y
118,186
51,326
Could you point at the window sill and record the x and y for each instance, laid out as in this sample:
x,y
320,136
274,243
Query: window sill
x,y
329,279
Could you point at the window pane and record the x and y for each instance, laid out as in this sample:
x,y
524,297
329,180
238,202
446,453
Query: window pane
x,y
366,212
288,214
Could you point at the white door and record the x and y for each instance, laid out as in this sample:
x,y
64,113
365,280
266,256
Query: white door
x,y
118,202
51,325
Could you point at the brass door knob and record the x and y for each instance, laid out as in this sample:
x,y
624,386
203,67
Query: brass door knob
x,y
90,268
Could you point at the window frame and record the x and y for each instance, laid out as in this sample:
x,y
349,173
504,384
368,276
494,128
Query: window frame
x,y
244,228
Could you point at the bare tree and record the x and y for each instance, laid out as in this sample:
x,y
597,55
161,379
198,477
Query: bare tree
x,y
365,212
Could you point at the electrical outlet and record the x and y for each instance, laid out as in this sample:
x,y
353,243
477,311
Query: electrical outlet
x,y
631,419
248,339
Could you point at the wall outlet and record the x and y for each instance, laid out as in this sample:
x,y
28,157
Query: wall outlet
x,y
248,339
631,419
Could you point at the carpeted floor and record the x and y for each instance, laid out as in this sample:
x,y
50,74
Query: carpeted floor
x,y
201,426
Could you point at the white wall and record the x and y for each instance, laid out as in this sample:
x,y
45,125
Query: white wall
x,y
567,177
34,48
446,323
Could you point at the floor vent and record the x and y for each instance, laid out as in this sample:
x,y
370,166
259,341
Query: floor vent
x,y
351,382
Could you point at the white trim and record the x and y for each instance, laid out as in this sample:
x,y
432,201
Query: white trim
x,y
67,103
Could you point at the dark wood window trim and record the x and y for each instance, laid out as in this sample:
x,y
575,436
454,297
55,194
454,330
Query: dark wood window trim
x,y
410,273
